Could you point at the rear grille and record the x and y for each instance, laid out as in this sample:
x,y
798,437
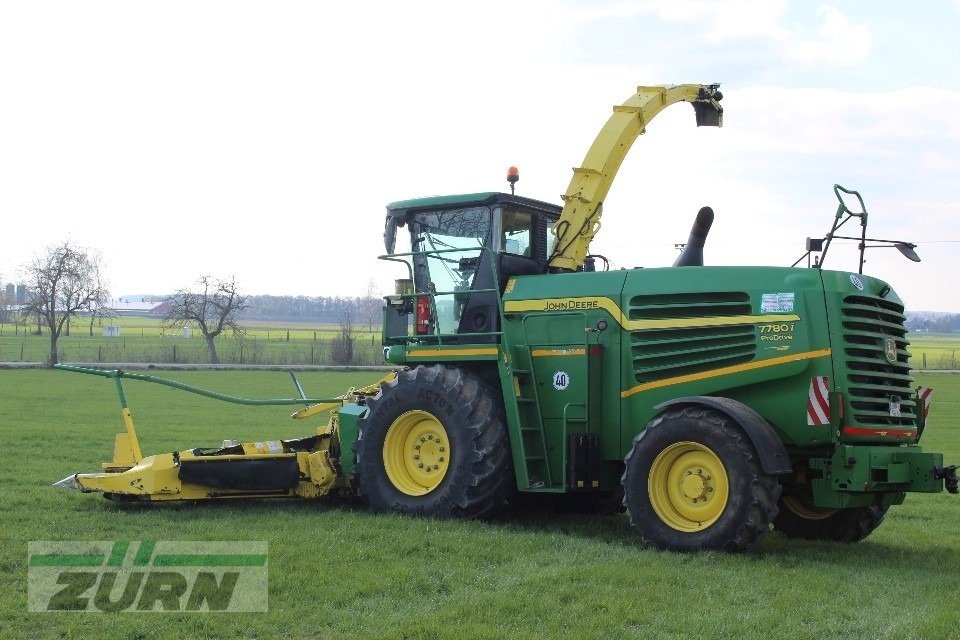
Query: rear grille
x,y
667,353
868,322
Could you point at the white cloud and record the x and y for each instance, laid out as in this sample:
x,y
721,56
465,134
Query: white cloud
x,y
840,41
843,43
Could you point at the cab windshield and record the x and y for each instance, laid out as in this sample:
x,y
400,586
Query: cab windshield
x,y
452,240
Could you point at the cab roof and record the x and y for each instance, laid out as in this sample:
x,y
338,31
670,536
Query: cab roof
x,y
402,207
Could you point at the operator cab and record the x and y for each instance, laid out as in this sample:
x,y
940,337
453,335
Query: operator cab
x,y
463,250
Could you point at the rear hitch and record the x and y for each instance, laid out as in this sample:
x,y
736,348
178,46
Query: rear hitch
x,y
949,477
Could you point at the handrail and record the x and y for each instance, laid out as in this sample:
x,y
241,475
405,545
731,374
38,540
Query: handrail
x,y
116,374
432,295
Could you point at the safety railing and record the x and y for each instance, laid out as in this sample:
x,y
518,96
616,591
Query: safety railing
x,y
438,337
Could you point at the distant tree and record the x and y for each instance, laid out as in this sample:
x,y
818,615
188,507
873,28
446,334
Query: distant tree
x,y
98,306
62,282
4,302
341,348
212,308
371,305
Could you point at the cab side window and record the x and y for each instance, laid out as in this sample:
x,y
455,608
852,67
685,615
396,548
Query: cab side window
x,y
516,232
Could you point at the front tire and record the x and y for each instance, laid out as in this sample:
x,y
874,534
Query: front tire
x,y
693,481
434,443
799,518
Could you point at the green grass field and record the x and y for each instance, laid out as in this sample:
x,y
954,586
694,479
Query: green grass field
x,y
935,350
338,572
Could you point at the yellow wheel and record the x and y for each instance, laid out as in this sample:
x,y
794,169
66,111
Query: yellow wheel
x,y
693,481
800,518
433,442
416,453
803,507
688,486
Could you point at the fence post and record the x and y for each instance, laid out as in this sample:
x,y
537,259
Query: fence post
x,y
924,360
174,353
21,351
241,353
99,353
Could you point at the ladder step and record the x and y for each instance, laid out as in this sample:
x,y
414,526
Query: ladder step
x,y
525,400
531,458
522,372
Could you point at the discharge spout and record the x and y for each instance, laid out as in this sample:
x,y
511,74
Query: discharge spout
x,y
692,254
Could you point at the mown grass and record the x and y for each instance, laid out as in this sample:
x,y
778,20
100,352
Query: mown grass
x,y
338,572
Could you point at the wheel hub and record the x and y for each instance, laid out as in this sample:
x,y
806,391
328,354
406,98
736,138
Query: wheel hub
x,y
416,453
694,486
688,486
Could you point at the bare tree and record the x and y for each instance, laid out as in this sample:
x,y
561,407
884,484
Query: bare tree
x,y
63,281
98,306
371,305
212,309
5,302
341,347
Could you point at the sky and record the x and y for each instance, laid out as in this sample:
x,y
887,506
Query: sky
x,y
262,140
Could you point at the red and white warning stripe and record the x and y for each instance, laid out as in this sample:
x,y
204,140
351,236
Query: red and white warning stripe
x,y
818,402
924,394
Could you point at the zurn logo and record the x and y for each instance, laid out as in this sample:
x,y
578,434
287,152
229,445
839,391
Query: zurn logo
x,y
146,575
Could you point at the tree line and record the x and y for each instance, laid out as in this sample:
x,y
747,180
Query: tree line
x,y
936,323
327,309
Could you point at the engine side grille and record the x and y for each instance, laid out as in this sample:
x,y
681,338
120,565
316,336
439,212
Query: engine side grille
x,y
666,353
873,380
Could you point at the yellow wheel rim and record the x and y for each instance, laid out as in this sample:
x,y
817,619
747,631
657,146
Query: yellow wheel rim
x,y
804,508
416,453
688,486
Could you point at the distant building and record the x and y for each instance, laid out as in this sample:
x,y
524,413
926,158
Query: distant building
x,y
21,294
162,308
130,306
11,290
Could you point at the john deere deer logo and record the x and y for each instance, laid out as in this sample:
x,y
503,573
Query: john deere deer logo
x,y
891,350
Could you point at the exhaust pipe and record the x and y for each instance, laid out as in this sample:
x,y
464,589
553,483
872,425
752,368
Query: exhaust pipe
x,y
692,254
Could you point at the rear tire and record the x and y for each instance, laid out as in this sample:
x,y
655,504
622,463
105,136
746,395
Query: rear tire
x,y
693,481
798,518
434,443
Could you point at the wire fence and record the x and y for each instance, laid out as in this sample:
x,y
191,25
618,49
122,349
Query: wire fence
x,y
321,351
